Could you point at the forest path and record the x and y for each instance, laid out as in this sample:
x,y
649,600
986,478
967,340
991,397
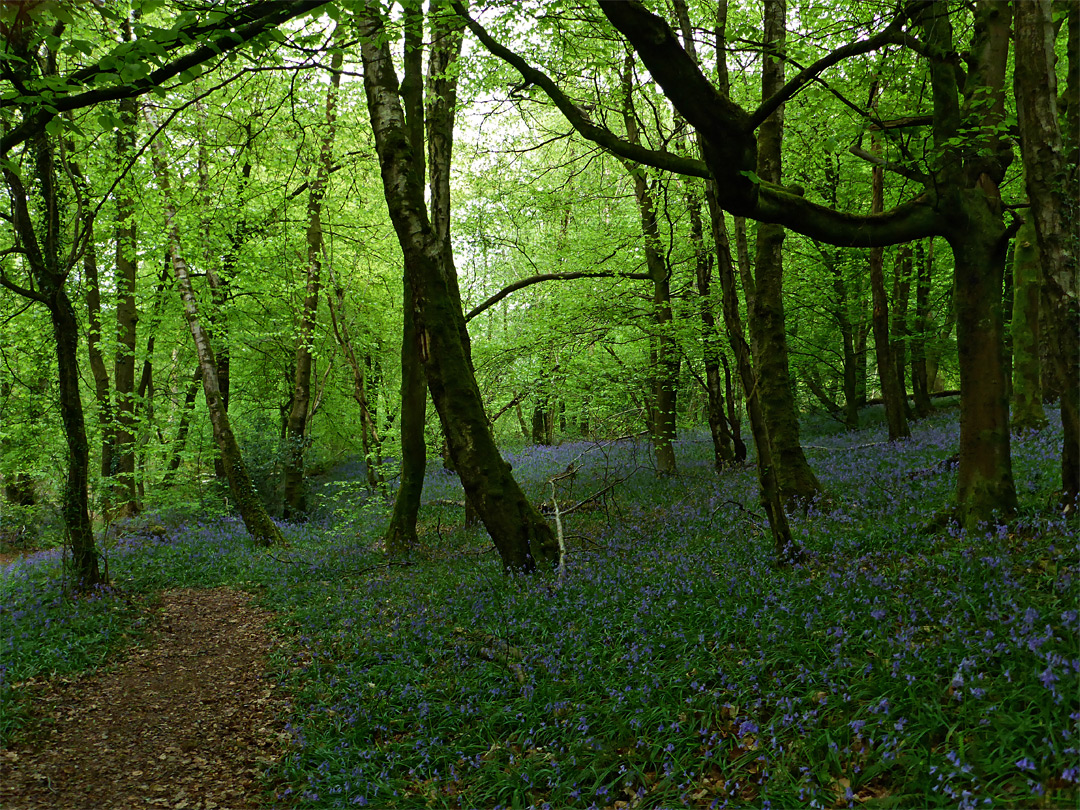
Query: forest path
x,y
187,721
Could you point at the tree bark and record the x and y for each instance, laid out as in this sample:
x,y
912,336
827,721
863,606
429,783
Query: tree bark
x,y
765,309
127,501
899,332
1052,189
1027,404
186,410
519,532
920,383
250,506
295,493
664,357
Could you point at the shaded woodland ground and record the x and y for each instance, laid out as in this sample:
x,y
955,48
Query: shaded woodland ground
x,y
905,663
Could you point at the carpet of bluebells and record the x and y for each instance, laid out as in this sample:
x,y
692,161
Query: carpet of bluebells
x,y
904,664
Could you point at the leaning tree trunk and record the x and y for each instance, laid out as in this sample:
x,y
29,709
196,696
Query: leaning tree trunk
x,y
251,508
519,532
1052,189
766,314
295,495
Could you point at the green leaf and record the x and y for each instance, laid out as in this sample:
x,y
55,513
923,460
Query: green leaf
x,y
751,176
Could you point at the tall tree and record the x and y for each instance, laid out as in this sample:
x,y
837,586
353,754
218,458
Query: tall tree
x,y
1052,185
519,532
960,198
250,506
297,421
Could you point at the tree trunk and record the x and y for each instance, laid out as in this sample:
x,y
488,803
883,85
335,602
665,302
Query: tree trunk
x,y
895,415
295,491
985,484
920,384
186,410
127,502
251,508
97,361
768,334
899,331
42,251
664,355
1052,189
1027,405
519,532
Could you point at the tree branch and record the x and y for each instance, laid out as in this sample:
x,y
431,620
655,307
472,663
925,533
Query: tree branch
x,y
896,168
526,282
576,116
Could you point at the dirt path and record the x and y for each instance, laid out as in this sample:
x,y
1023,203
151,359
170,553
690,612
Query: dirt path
x,y
185,722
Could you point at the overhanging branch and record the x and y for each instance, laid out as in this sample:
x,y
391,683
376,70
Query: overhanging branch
x,y
528,282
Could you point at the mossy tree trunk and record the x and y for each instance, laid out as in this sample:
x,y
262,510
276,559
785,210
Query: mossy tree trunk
x,y
1027,405
524,540
1050,152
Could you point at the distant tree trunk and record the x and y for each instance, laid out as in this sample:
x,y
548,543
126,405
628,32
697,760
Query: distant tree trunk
x,y
895,415
899,332
765,307
295,494
920,384
102,393
723,454
186,410
664,357
733,417
519,532
370,441
251,508
1051,173
1027,405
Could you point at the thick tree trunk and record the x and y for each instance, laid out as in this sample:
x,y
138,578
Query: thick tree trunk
x,y
295,491
984,481
401,532
1052,186
1027,405
519,532
768,333
247,500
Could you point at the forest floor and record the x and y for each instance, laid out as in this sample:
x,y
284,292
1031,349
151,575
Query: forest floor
x,y
186,720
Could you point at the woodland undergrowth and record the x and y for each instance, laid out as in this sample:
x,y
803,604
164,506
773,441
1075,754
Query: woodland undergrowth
x,y
903,664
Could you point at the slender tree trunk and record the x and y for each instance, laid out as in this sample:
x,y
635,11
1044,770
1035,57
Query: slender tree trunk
x,y
891,393
899,331
126,318
369,431
40,244
186,410
920,384
1052,186
663,353
766,314
519,532
295,495
733,417
251,508
102,393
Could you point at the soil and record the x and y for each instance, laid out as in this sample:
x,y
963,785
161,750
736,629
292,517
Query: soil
x,y
188,721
